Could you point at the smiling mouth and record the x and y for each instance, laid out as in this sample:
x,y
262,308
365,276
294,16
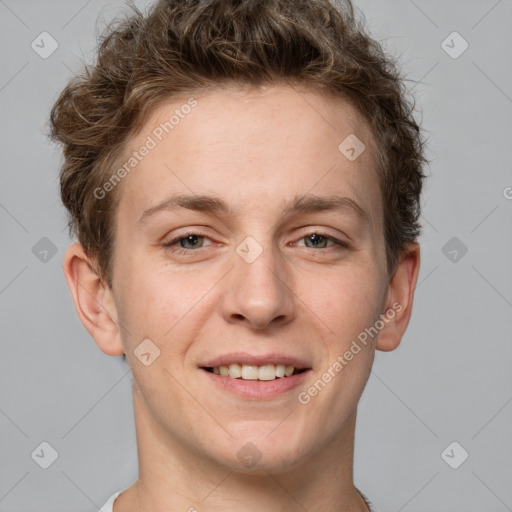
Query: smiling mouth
x,y
253,372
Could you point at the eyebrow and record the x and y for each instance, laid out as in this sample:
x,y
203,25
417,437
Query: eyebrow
x,y
301,204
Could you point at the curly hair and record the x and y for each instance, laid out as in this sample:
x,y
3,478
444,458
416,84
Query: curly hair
x,y
187,46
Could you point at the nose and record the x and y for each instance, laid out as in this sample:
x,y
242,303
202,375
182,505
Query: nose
x,y
259,293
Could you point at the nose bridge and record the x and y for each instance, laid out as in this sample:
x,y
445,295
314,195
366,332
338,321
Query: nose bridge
x,y
258,290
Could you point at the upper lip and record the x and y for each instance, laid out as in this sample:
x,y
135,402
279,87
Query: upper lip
x,y
256,360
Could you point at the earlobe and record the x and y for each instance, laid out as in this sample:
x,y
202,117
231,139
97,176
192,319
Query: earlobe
x,y
400,298
93,299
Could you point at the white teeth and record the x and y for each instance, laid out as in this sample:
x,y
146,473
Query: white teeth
x,y
280,368
267,372
288,370
253,372
235,371
249,372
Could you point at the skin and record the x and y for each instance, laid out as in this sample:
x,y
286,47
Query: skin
x,y
256,149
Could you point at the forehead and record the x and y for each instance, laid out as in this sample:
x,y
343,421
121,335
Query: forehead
x,y
252,147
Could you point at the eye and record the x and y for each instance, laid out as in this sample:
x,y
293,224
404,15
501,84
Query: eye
x,y
319,240
188,242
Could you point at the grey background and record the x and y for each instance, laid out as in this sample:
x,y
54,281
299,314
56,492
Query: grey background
x,y
450,379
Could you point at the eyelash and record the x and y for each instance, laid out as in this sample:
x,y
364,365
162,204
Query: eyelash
x,y
168,245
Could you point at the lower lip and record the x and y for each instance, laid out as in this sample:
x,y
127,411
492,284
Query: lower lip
x,y
258,389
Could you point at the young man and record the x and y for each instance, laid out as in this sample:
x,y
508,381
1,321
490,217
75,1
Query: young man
x,y
244,179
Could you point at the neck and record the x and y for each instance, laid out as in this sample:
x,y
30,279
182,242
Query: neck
x,y
174,476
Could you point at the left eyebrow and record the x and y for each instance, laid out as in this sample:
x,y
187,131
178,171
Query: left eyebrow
x,y
311,204
301,204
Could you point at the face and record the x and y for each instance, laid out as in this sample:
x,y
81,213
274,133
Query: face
x,y
280,264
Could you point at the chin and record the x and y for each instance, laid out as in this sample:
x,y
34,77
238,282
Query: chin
x,y
265,465
262,455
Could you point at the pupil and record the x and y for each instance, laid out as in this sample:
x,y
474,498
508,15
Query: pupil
x,y
191,239
315,239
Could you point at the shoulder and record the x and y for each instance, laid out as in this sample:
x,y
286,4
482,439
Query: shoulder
x,y
371,506
109,505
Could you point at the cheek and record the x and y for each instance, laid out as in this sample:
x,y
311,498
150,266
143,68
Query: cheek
x,y
349,305
348,301
157,299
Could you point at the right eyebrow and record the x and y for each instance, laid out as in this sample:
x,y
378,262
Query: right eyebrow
x,y
209,204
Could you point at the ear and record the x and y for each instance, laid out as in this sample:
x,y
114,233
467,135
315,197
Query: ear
x,y
93,299
400,298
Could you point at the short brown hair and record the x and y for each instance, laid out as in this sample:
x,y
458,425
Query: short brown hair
x,y
186,46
